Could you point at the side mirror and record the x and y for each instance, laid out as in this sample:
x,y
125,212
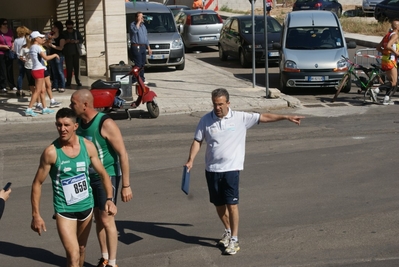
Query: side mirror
x,y
351,44
180,28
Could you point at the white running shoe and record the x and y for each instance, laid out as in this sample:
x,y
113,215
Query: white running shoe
x,y
232,248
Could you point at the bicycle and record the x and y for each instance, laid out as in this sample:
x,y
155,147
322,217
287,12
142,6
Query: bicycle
x,y
366,84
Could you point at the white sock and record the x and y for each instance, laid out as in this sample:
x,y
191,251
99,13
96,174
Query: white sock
x,y
52,99
228,231
105,256
112,262
234,238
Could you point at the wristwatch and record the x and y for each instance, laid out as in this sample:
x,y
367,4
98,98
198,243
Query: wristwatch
x,y
110,198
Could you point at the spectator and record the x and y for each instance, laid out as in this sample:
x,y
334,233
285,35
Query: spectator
x,y
38,72
197,4
224,131
6,63
269,6
25,58
4,195
22,33
56,44
72,57
139,43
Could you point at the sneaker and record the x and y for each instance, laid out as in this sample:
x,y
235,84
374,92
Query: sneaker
x,y
54,104
4,90
47,111
39,108
232,248
14,89
145,82
79,84
54,89
102,263
135,83
30,112
224,242
387,101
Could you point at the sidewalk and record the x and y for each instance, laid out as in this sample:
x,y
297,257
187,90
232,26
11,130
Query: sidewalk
x,y
178,91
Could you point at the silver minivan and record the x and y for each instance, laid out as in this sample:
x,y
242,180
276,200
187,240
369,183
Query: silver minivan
x,y
165,41
312,46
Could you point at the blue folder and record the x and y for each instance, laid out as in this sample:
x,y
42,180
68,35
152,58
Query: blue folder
x,y
185,180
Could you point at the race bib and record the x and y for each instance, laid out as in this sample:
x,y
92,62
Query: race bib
x,y
75,189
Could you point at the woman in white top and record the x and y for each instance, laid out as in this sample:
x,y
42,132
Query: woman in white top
x,y
37,55
25,58
22,33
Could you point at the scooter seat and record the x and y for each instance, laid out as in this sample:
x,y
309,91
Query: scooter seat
x,y
101,84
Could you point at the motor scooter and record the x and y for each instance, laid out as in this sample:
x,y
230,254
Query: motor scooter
x,y
106,96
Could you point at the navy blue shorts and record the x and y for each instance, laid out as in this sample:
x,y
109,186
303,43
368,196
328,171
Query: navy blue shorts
x,y
223,187
99,194
76,216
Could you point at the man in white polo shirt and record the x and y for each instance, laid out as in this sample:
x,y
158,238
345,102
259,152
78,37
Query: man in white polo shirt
x,y
225,131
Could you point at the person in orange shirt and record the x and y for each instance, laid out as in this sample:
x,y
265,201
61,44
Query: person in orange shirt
x,y
197,4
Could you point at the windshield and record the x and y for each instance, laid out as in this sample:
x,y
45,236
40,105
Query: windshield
x,y
272,26
155,22
314,38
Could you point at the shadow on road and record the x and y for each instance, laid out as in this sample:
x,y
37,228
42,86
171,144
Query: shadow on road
x,y
158,229
37,254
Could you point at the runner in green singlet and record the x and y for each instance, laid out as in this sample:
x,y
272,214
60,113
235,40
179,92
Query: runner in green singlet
x,y
67,162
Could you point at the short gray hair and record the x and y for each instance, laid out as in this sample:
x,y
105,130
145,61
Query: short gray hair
x,y
221,92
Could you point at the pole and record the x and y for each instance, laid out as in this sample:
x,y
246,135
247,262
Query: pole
x,y
266,51
253,44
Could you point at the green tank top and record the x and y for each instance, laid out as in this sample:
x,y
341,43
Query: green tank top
x,y
106,153
70,180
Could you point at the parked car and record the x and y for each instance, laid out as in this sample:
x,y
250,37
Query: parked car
x,y
236,39
330,5
312,46
177,8
368,6
199,27
387,10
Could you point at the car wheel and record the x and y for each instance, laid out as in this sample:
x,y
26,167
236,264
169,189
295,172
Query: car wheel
x,y
283,87
243,61
222,54
348,86
181,66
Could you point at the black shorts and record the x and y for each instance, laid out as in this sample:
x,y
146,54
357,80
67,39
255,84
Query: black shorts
x,y
223,187
31,80
79,216
99,194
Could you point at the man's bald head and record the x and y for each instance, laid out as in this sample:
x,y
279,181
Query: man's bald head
x,y
84,96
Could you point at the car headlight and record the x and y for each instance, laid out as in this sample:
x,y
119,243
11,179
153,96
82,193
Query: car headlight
x,y
177,44
290,66
342,65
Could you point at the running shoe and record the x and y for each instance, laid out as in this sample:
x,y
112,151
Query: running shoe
x,y
38,108
102,263
387,101
232,248
373,95
54,104
47,111
54,89
145,82
224,242
14,89
30,112
4,90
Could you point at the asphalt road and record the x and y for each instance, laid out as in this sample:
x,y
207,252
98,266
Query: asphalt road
x,y
321,194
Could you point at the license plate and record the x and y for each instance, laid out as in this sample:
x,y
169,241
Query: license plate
x,y
274,54
157,57
207,38
305,7
316,79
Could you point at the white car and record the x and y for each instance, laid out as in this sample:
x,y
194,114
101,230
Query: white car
x,y
369,5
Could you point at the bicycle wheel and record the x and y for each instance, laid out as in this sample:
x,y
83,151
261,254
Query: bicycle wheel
x,y
341,85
